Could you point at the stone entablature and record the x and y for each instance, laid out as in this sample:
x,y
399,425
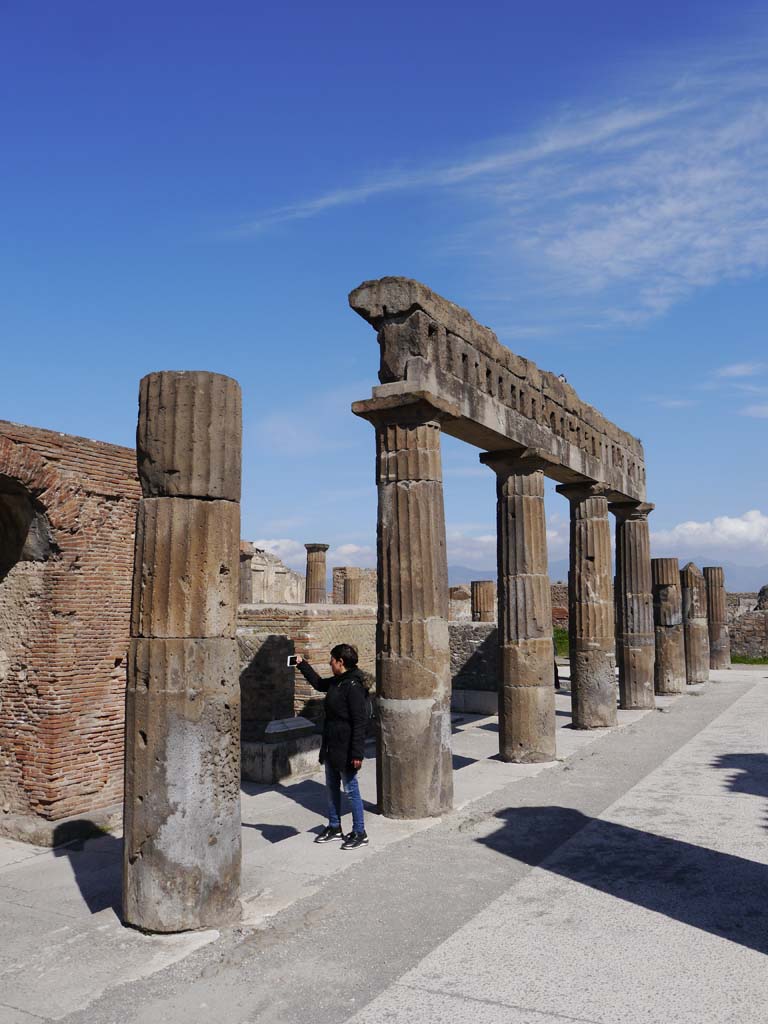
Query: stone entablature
x,y
490,396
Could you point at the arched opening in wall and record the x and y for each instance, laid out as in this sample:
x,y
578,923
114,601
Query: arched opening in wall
x,y
25,534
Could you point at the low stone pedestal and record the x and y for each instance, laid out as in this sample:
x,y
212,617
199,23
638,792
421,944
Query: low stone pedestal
x,y
290,749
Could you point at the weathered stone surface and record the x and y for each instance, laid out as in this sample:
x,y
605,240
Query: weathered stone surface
x,y
483,600
695,626
717,616
494,399
189,435
669,671
186,570
526,655
762,600
182,749
635,641
182,785
590,605
413,659
316,590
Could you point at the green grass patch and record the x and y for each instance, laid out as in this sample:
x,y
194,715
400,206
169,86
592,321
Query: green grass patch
x,y
561,642
743,659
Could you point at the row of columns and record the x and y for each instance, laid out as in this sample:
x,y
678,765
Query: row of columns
x,y
645,631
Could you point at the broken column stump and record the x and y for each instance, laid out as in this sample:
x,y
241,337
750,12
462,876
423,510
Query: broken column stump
x,y
316,591
719,640
695,625
483,600
353,582
592,642
669,671
526,654
181,866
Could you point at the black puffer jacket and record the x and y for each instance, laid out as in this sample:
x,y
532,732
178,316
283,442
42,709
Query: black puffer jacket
x,y
346,714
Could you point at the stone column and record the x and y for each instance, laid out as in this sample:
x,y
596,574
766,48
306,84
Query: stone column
x,y
669,673
316,591
414,769
246,572
483,600
526,655
592,640
695,626
181,867
352,584
719,641
635,642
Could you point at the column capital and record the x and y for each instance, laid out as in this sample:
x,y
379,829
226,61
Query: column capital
x,y
409,409
625,511
518,461
581,489
317,547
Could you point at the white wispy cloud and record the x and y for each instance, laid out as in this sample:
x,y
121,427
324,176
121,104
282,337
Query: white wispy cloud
x,y
741,370
673,403
758,412
641,202
722,536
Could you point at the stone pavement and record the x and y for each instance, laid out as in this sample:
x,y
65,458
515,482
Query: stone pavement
x,y
695,821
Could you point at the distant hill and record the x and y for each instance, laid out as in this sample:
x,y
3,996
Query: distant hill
x,y
738,578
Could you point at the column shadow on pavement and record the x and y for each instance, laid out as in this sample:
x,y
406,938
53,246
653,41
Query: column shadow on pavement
x,y
717,892
97,864
750,774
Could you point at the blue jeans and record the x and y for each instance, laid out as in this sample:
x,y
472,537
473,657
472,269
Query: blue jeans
x,y
333,781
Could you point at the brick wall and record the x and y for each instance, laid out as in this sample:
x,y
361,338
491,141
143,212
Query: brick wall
x,y
64,625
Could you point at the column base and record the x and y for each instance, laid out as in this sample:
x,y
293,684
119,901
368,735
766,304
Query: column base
x,y
415,763
593,690
527,724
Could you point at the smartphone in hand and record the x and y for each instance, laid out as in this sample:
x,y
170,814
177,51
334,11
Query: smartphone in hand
x,y
293,660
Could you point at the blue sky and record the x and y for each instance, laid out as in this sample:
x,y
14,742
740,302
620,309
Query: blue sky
x,y
199,186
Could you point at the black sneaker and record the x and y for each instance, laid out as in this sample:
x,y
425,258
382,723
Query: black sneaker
x,y
330,833
355,839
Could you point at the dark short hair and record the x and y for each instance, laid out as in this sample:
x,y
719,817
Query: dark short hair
x,y
345,653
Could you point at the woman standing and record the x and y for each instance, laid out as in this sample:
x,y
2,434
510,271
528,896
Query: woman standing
x,y
343,747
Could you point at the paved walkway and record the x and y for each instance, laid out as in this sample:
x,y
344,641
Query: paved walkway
x,y
661,889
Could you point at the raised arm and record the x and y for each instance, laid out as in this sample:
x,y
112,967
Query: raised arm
x,y
312,677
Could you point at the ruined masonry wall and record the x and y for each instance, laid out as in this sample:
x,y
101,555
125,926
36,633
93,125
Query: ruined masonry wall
x,y
367,584
62,654
749,635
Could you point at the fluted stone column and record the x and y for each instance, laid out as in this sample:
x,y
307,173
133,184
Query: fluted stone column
x,y
316,591
635,640
590,605
669,672
719,641
695,625
414,769
246,572
352,584
526,655
483,600
181,867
